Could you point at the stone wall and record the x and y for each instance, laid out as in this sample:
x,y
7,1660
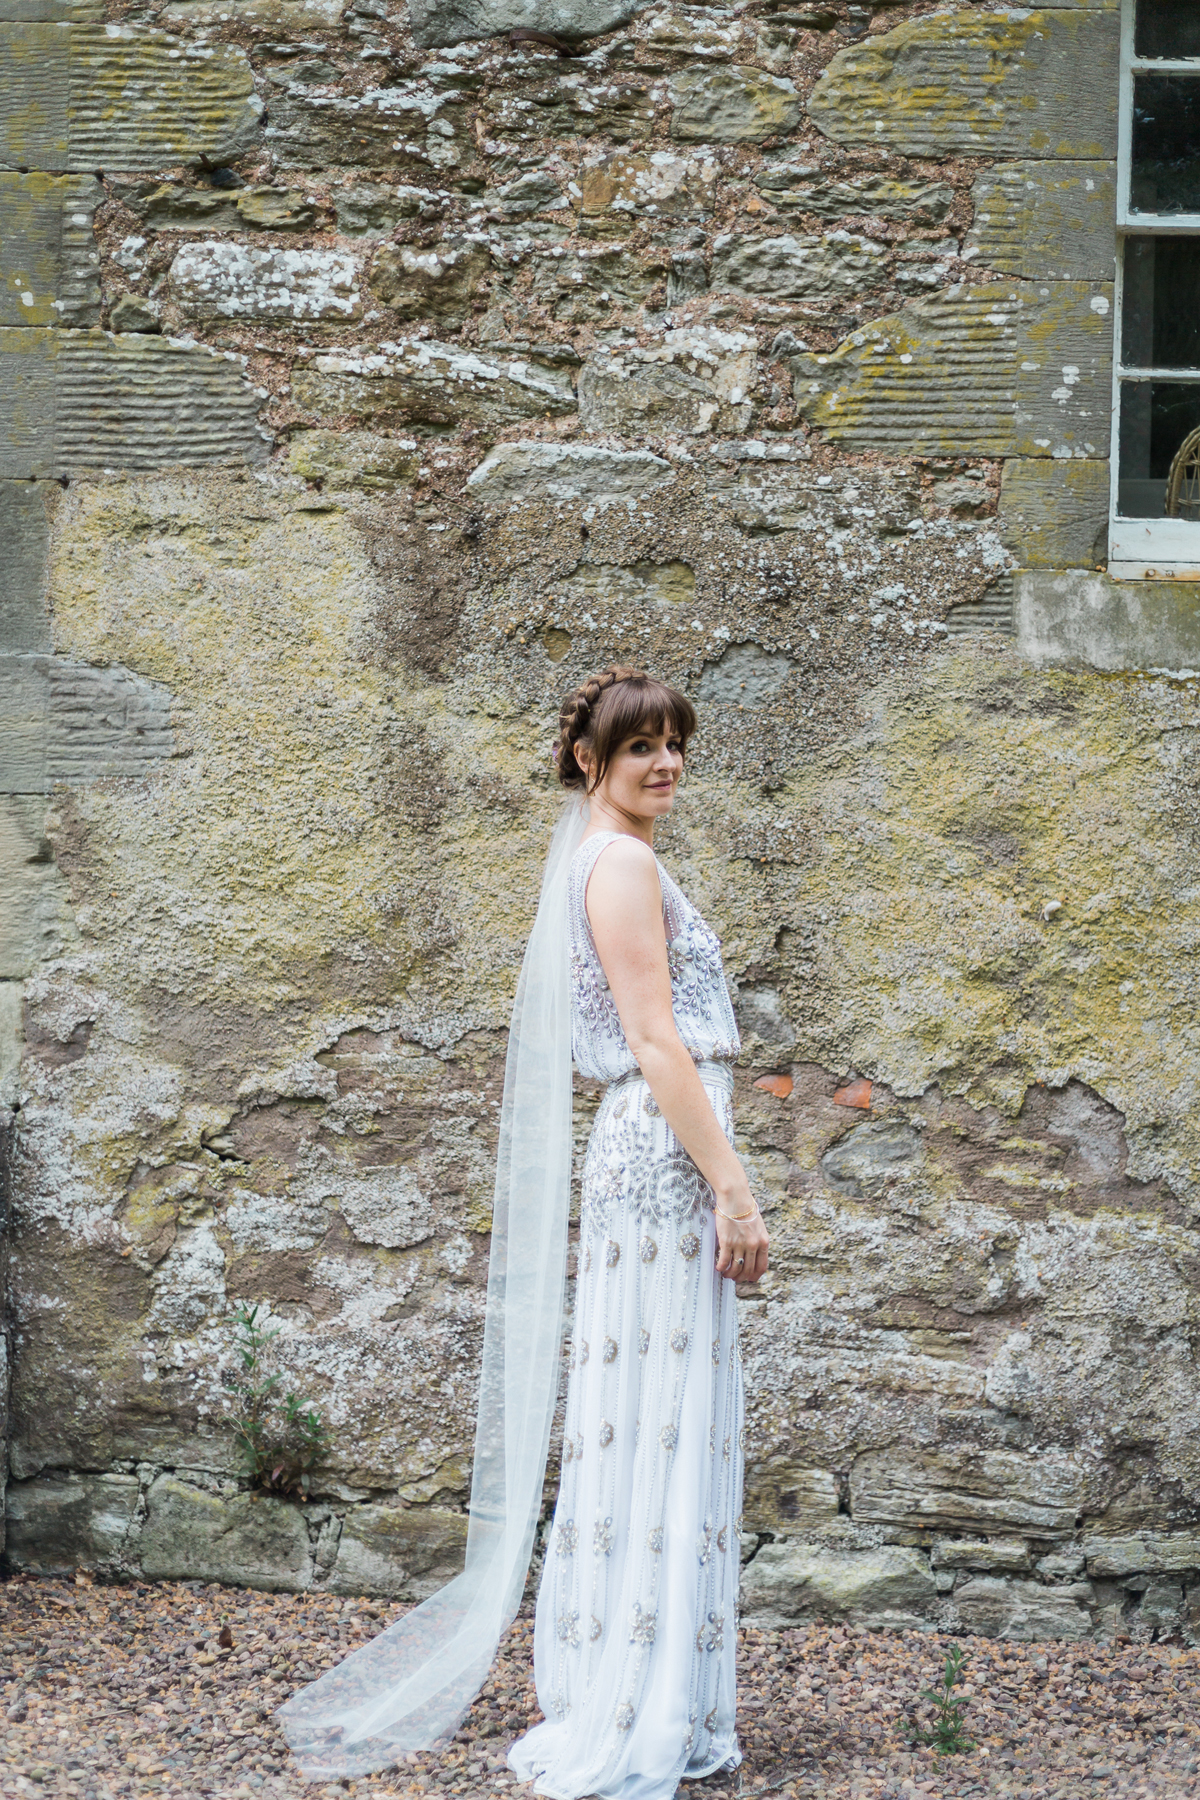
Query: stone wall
x,y
371,376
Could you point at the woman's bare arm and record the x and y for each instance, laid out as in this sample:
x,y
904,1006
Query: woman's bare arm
x,y
624,906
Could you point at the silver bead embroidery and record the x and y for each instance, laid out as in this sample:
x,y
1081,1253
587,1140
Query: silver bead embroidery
x,y
710,1721
606,1434
609,1353
612,1253
723,1539
649,1250
716,1353
668,1437
689,1246
704,1544
584,1351
566,1538
643,1341
568,1629
603,1537
595,1629
711,1635
642,1625
654,1541
625,1716
679,1340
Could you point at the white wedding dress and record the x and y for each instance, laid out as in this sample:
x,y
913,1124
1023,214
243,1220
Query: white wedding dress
x,y
635,1640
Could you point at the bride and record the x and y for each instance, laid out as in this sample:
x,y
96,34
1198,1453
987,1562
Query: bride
x,y
635,1637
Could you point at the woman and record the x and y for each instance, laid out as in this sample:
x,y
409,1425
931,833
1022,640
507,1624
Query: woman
x,y
635,1634
635,1639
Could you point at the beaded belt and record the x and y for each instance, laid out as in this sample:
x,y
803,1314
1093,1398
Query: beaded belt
x,y
718,1073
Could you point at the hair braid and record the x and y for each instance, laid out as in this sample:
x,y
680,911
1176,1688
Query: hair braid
x,y
577,716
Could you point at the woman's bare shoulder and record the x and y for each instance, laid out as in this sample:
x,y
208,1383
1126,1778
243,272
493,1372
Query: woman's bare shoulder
x,y
625,867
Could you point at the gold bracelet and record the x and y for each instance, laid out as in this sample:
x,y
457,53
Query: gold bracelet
x,y
731,1216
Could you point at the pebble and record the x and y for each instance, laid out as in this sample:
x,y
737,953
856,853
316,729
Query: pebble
x,y
116,1691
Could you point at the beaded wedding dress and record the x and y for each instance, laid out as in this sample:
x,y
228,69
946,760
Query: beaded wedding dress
x,y
636,1616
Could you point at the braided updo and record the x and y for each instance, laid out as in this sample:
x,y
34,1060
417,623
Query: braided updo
x,y
606,709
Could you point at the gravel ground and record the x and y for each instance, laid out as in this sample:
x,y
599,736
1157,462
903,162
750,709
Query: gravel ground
x,y
121,1691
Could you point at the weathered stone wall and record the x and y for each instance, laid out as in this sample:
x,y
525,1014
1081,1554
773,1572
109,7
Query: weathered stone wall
x,y
368,381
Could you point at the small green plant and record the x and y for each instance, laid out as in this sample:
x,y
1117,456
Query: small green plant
x,y
280,1436
948,1733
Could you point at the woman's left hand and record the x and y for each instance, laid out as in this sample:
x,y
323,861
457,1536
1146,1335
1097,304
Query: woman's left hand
x,y
741,1243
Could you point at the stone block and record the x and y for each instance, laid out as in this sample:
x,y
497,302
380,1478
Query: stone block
x,y
63,721
24,537
978,83
49,264
12,996
431,384
238,281
1010,1555
689,381
24,711
1054,514
78,98
585,286
738,105
436,22
967,1490
289,15
436,284
245,1540
35,913
1094,621
744,675
72,400
403,1553
385,128
836,265
796,187
353,459
1023,1611
573,474
563,106
64,12
1148,1553
784,1496
1041,219
174,206
79,1521
372,210
654,184
873,1157
987,371
787,1583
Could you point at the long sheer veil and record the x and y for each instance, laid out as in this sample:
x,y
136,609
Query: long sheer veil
x,y
413,1683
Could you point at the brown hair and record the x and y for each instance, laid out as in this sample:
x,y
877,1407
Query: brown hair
x,y
610,707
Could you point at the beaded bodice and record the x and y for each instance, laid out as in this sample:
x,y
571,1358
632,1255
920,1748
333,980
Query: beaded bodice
x,y
699,995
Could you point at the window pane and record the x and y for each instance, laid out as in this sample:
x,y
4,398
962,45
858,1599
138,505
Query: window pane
x,y
1166,143
1167,28
1156,418
1160,325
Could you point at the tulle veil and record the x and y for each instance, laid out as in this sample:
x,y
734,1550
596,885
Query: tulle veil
x,y
413,1684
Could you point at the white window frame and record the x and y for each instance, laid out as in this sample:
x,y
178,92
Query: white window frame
x,y
1141,549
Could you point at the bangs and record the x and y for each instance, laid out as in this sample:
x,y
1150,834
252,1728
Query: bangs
x,y
645,706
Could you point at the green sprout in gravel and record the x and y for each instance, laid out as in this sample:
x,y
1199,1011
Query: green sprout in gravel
x,y
280,1436
947,1737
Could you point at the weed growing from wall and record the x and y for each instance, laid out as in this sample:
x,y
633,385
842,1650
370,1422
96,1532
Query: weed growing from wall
x,y
280,1436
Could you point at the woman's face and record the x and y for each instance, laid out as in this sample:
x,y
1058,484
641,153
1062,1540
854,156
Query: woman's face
x,y
643,775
